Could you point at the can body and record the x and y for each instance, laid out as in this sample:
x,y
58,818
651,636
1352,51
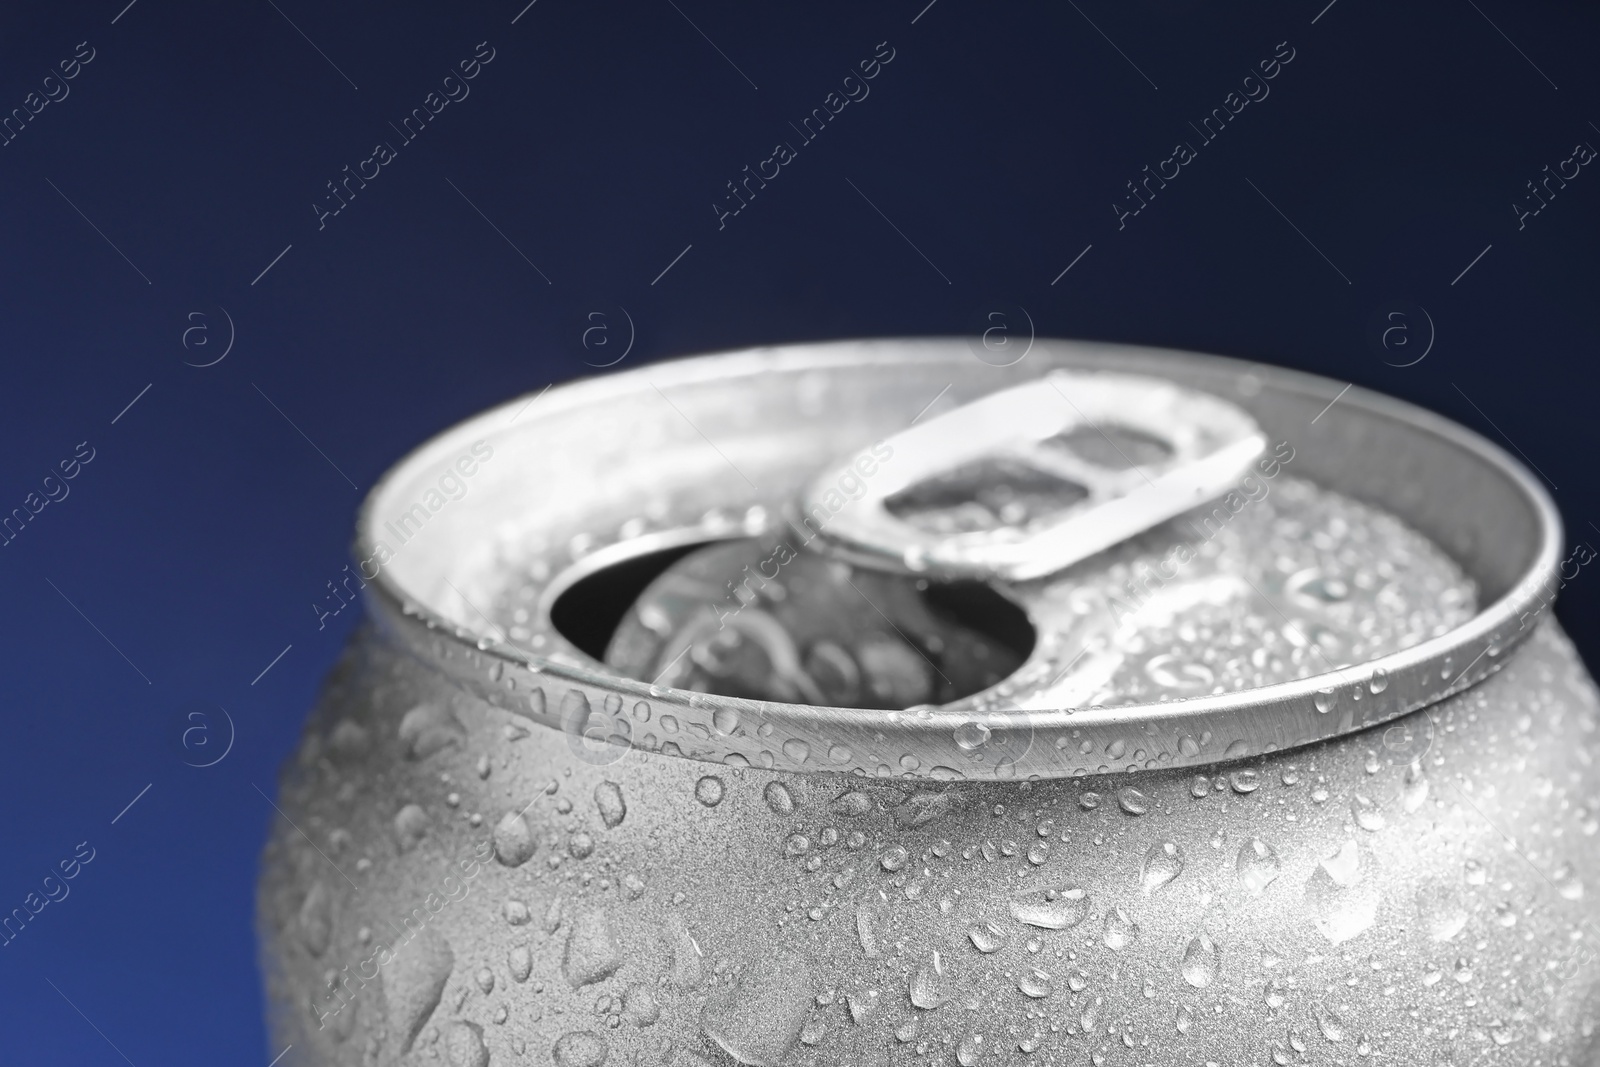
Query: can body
x,y
1336,898
458,879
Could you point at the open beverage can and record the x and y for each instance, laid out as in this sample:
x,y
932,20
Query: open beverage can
x,y
865,703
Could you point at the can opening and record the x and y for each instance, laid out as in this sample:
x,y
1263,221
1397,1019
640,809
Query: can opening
x,y
756,618
590,610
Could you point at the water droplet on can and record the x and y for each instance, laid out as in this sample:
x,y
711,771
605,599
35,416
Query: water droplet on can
x,y
1035,984
1120,930
463,1045
971,736
986,937
1201,961
1132,801
708,790
1162,864
778,798
1053,909
613,808
926,986
1256,865
513,840
581,1048
1367,814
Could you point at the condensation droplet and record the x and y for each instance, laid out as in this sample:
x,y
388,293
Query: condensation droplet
x,y
613,808
709,790
1367,814
985,937
1568,884
513,840
926,987
410,827
1329,1022
1120,930
778,798
1162,863
1035,984
1201,961
1257,865
1054,909
970,736
463,1045
580,1048
1132,801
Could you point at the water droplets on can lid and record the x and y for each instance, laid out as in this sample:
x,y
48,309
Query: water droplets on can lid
x,y
1120,930
927,987
1051,909
1256,865
986,937
708,790
1202,959
1035,984
609,801
1162,863
778,798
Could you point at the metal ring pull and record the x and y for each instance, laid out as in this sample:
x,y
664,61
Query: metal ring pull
x,y
1057,438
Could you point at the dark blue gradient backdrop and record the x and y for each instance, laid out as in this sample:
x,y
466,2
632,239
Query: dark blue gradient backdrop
x,y
165,189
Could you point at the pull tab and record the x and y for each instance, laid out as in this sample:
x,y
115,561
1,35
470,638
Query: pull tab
x,y
1031,479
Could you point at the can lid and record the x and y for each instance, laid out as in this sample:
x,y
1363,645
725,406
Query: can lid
x,y
1205,445
587,456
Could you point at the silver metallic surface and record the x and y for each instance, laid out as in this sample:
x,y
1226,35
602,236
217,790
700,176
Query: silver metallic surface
x,y
1419,895
455,882
1210,444
714,447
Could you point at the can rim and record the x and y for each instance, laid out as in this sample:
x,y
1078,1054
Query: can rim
x,y
1197,731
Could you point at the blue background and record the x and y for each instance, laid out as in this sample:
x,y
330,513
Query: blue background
x,y
192,147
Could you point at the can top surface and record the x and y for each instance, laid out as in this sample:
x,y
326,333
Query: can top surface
x,y
554,489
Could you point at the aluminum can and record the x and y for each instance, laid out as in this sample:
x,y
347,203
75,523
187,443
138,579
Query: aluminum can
x,y
494,849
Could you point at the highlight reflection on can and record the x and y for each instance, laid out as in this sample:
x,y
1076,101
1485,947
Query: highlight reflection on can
x,y
1120,706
